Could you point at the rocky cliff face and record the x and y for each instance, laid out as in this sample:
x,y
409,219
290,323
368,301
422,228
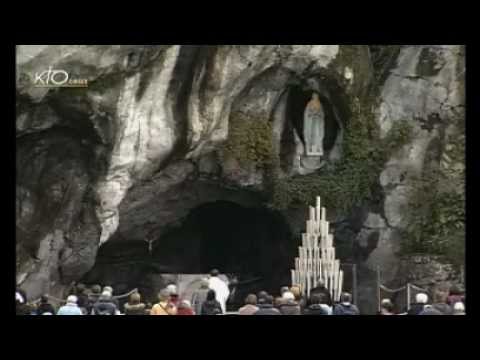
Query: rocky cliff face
x,y
131,155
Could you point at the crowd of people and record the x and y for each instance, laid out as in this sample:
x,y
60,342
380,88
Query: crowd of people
x,y
211,298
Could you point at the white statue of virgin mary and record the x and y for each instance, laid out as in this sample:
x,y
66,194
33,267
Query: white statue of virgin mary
x,y
314,127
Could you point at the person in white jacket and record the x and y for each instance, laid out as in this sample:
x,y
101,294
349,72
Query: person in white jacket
x,y
222,291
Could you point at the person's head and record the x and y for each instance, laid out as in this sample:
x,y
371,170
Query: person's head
x,y
135,298
44,299
284,289
185,304
163,295
21,296
458,308
251,299
172,289
106,295
214,272
108,288
345,298
96,289
321,284
268,300
279,301
262,294
421,298
204,283
387,306
296,291
72,299
288,296
80,288
440,296
211,295
315,96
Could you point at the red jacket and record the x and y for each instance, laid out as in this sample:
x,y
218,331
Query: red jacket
x,y
185,311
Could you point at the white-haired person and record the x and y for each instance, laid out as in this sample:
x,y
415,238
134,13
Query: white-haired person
x,y
71,307
421,299
386,307
174,298
459,308
289,306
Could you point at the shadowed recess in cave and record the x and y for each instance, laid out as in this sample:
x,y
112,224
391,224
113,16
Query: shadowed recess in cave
x,y
250,243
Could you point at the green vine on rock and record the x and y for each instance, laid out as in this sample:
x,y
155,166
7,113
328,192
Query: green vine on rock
x,y
249,142
351,181
437,212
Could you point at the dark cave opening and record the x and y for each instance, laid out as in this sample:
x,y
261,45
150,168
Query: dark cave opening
x,y
297,100
248,242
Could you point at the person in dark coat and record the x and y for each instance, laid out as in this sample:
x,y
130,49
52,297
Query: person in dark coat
x,y
265,306
289,306
211,306
321,289
416,308
93,297
345,307
82,297
429,310
315,307
45,306
105,305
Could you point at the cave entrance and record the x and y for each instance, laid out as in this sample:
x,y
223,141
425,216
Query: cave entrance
x,y
255,244
297,100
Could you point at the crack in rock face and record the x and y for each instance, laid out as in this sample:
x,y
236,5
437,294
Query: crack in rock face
x,y
130,156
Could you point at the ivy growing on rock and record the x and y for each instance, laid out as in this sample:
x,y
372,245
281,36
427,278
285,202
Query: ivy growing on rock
x,y
351,181
249,142
437,210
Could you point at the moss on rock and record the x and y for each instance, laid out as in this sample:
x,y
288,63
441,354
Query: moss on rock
x,y
352,180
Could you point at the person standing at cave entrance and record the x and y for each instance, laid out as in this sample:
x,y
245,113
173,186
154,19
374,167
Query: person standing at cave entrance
x,y
200,296
220,287
314,126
